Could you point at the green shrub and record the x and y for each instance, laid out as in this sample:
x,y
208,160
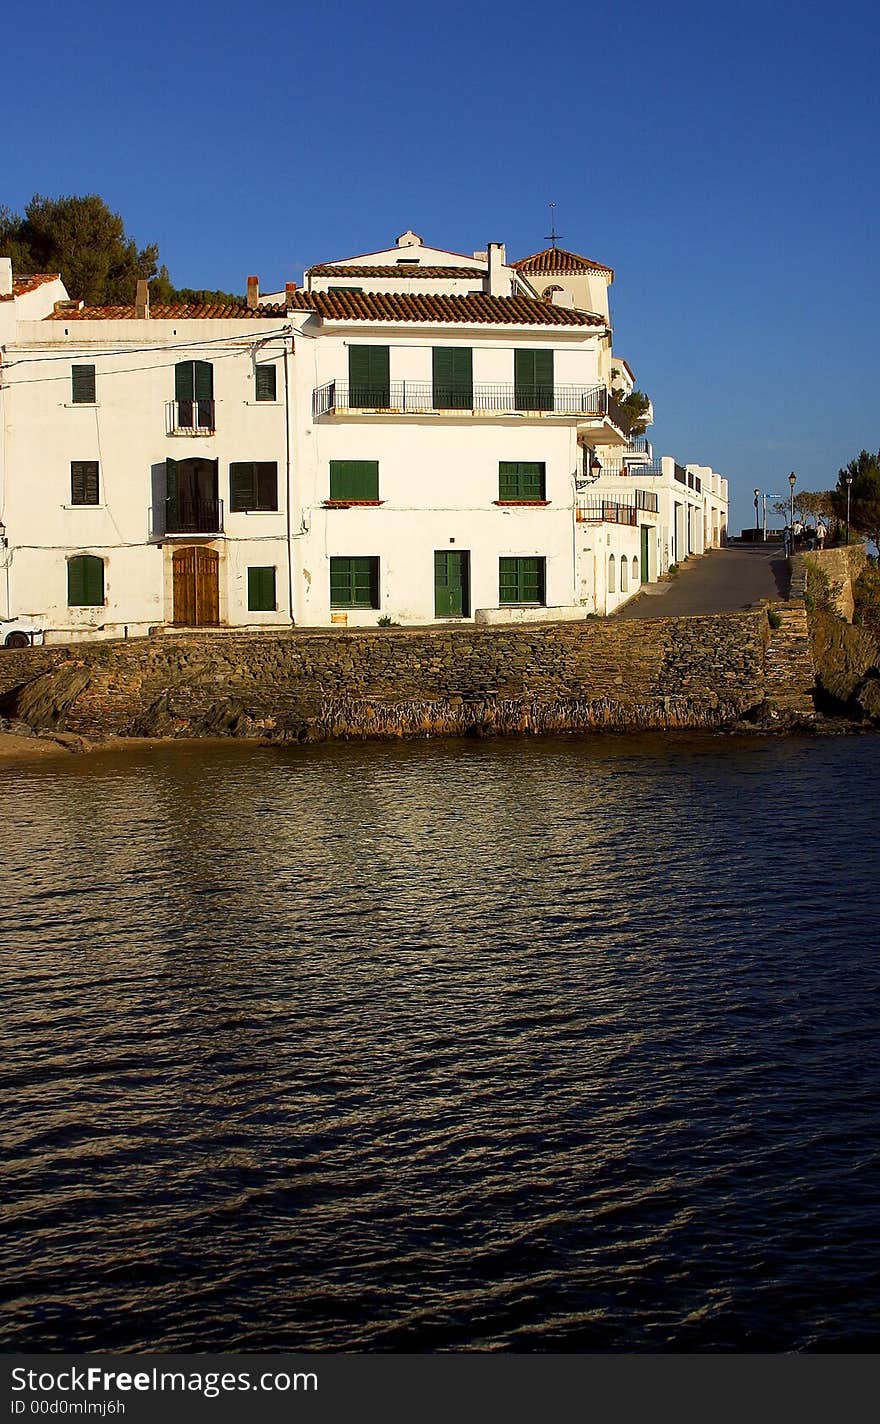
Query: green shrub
x,y
774,618
866,596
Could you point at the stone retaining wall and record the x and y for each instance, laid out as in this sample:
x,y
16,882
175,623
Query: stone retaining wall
x,y
707,671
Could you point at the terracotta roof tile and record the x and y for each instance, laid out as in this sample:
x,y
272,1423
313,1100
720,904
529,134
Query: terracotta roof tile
x,y
556,259
202,311
474,309
22,285
402,269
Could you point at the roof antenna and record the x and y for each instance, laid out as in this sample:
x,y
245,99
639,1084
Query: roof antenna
x,y
553,236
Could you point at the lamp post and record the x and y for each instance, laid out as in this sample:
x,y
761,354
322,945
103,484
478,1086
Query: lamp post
x,y
849,480
757,524
792,481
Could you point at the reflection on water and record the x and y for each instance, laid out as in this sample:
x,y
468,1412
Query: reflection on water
x,y
512,1045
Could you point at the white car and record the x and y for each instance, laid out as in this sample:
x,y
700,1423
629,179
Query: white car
x,y
20,632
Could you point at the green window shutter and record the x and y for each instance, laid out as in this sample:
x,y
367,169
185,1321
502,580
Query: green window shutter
x,y
75,583
368,376
85,581
242,486
253,485
354,479
184,381
261,590
533,379
267,485
265,382
84,482
82,385
354,582
203,380
453,377
521,580
522,479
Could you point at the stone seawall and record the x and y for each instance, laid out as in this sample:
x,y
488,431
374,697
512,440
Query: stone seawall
x,y
708,671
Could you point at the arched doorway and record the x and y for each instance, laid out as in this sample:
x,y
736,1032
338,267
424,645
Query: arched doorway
x,y
196,586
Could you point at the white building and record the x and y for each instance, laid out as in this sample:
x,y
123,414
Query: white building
x,y
415,435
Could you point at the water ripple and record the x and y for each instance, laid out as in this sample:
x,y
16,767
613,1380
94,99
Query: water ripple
x,y
556,1045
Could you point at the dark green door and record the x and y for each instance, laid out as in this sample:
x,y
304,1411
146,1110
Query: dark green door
x,y
644,570
533,380
453,378
369,377
452,595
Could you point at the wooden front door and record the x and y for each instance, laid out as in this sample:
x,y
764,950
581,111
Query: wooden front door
x,y
451,583
196,587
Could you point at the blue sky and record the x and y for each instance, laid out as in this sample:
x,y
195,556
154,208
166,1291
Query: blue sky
x,y
722,158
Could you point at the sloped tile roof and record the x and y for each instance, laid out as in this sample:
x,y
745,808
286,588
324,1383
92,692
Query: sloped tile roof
x,y
22,285
474,309
556,260
401,269
201,311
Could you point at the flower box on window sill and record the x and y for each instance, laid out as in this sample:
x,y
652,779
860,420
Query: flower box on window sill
x,y
352,503
526,503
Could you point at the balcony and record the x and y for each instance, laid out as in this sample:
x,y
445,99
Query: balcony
x,y
611,511
638,450
187,516
592,407
189,417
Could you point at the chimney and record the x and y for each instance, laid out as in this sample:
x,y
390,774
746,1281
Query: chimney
x,y
499,284
142,300
5,276
253,296
289,291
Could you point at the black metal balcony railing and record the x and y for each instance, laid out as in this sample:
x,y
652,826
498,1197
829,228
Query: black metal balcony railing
x,y
415,397
193,516
606,511
639,445
190,417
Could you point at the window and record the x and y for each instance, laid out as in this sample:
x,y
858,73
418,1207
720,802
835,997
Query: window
x,y
194,393
521,479
354,480
521,580
635,564
253,485
345,289
533,379
612,574
84,482
354,583
624,574
85,581
265,382
453,377
261,590
82,385
368,377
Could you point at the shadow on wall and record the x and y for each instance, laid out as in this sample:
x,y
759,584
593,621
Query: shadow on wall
x,y
781,572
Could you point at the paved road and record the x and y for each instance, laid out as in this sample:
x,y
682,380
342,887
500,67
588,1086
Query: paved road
x,y
719,582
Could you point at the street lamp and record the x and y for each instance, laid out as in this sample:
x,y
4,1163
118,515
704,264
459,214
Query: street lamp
x,y
792,481
849,480
757,497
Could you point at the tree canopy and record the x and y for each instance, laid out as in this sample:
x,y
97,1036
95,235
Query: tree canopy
x,y
87,243
864,514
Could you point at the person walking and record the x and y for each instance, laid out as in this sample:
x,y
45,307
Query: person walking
x,y
786,540
821,532
797,534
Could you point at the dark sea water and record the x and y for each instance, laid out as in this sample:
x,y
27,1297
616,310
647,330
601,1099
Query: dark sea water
x,y
563,1045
